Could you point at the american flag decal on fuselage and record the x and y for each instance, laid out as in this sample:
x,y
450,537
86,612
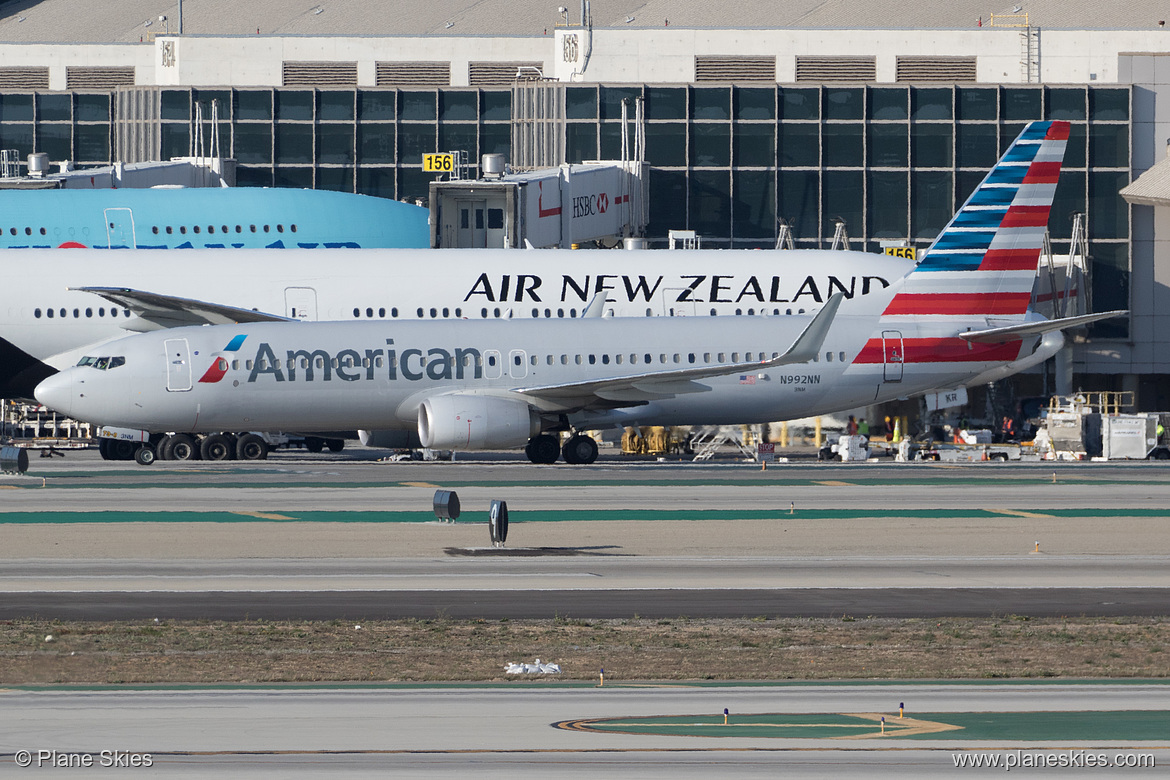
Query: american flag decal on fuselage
x,y
982,267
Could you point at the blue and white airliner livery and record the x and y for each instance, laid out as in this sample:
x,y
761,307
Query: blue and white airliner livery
x,y
207,218
962,316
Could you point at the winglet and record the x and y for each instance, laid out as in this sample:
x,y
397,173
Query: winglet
x,y
808,344
596,307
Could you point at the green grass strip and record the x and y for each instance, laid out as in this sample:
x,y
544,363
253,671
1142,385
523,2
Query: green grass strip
x,y
1135,725
548,516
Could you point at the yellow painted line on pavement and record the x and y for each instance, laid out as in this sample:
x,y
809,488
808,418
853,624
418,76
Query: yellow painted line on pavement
x,y
901,727
1018,513
419,484
834,483
264,515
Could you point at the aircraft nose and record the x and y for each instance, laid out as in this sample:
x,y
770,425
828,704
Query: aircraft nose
x,y
56,392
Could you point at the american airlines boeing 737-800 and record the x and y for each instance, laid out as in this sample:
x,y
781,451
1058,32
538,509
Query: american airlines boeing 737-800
x,y
962,315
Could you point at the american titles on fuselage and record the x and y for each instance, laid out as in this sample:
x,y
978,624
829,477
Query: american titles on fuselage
x,y
415,364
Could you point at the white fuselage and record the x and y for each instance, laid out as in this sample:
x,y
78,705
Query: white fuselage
x,y
365,375
45,319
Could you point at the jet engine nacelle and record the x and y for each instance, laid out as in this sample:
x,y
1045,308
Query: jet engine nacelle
x,y
475,422
390,440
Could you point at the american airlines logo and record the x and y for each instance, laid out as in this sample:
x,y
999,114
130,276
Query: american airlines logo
x,y
219,365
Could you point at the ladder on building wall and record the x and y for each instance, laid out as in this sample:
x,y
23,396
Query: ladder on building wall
x,y
784,235
1030,54
840,236
1029,42
9,163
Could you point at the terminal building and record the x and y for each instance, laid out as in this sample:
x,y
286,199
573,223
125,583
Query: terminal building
x,y
759,121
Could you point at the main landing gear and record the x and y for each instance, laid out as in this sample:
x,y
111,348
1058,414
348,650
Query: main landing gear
x,y
579,450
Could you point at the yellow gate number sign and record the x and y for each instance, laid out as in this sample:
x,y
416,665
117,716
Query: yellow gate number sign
x,y
438,163
901,251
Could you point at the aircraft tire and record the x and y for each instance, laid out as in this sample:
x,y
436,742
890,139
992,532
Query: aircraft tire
x,y
217,446
183,447
104,449
122,450
335,445
314,444
162,448
580,450
543,449
144,455
251,447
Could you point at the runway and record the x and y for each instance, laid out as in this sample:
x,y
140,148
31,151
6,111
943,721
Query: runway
x,y
335,537
508,730
321,537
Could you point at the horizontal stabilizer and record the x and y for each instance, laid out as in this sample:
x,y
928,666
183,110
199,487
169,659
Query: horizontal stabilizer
x,y
1013,332
160,312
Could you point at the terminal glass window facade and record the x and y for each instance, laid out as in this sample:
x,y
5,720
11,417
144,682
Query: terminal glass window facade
x,y
730,161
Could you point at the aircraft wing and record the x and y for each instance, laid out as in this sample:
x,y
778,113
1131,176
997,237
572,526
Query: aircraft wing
x,y
158,312
642,388
1012,332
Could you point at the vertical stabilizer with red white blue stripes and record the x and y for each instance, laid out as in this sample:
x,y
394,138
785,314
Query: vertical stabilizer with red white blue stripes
x,y
984,262
977,275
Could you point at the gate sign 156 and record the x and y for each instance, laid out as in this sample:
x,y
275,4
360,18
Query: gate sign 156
x,y
438,163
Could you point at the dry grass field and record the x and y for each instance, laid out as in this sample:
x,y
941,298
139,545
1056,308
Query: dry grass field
x,y
675,650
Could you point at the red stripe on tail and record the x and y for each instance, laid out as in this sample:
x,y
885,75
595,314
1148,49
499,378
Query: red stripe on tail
x,y
1025,216
1042,173
1010,260
959,303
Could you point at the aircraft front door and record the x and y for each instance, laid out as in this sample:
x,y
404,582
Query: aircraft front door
x,y
300,303
178,365
120,229
893,355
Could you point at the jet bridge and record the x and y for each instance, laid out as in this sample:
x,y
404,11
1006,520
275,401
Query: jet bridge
x,y
552,207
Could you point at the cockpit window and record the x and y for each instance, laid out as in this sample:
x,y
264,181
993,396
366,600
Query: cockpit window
x,y
103,363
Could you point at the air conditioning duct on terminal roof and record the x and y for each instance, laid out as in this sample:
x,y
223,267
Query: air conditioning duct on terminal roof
x,y
390,440
474,422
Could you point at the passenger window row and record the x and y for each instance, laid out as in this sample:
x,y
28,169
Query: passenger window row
x,y
211,229
27,231
78,313
486,313
691,358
